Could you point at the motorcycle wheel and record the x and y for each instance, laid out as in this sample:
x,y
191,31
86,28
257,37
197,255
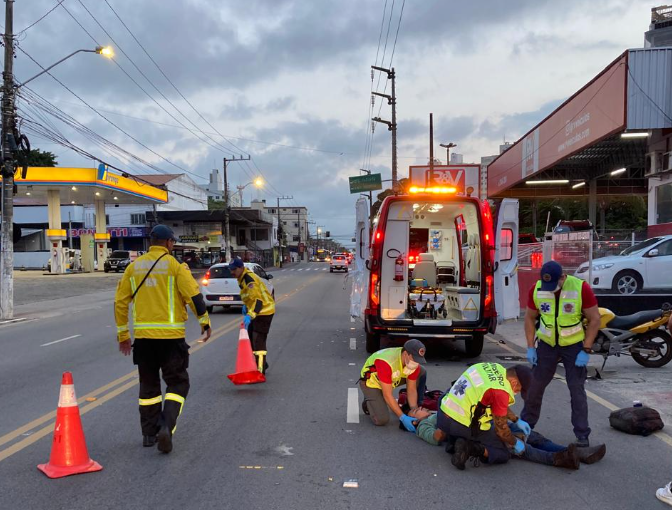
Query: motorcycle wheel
x,y
658,339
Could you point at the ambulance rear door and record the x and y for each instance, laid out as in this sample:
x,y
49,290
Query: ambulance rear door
x,y
506,261
358,272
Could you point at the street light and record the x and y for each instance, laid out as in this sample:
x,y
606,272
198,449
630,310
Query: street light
x,y
448,146
105,51
258,183
8,124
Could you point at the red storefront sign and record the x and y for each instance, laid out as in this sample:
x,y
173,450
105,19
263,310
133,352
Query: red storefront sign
x,y
598,110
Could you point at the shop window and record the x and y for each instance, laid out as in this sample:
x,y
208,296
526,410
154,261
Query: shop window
x,y
296,238
664,203
506,245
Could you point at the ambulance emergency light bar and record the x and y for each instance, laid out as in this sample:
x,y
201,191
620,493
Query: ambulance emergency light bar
x,y
435,190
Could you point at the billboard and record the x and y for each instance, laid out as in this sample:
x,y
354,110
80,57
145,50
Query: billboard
x,y
458,176
593,113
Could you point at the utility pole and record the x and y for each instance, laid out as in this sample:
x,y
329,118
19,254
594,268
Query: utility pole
x,y
280,229
225,243
8,147
391,126
431,149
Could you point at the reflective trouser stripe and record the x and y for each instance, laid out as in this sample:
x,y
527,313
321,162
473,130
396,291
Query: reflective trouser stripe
x,y
176,398
150,401
260,355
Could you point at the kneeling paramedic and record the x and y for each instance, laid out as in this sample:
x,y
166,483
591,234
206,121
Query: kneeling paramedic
x,y
258,309
385,370
481,395
158,287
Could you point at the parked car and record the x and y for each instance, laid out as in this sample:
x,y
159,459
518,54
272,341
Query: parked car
x,y
527,238
338,263
643,266
119,260
220,288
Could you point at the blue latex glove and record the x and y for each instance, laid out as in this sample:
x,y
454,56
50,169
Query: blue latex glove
x,y
244,310
524,427
532,355
247,320
407,421
582,359
519,447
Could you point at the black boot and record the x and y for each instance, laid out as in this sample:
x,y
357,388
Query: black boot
x,y
592,454
148,441
165,440
365,407
465,450
568,459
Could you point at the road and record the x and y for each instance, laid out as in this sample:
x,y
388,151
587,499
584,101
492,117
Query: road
x,y
287,444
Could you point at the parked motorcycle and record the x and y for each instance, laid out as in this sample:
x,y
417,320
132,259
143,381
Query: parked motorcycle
x,y
641,335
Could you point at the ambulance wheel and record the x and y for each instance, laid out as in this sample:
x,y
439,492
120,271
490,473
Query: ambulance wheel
x,y
474,347
372,342
209,309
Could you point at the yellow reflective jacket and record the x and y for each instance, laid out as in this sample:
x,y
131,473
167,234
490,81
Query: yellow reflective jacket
x,y
255,295
160,307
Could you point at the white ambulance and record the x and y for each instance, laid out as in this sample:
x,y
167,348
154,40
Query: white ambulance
x,y
464,277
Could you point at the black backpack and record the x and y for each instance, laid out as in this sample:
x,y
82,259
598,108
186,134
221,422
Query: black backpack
x,y
641,421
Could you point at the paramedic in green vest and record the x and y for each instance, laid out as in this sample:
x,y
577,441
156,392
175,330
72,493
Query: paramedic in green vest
x,y
558,303
384,371
475,412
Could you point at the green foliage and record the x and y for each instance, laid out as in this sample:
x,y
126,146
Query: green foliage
x,y
40,158
215,205
403,184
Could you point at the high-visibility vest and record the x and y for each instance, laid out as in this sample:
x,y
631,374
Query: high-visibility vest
x,y
159,309
569,327
460,402
252,291
391,356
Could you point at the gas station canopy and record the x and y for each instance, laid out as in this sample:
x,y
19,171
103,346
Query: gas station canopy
x,y
597,141
86,186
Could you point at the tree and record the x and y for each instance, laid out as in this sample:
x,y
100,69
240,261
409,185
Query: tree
x,y
384,194
36,157
215,205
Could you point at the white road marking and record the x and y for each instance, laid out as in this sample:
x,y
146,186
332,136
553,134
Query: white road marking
x,y
299,269
353,405
324,269
61,340
353,344
352,319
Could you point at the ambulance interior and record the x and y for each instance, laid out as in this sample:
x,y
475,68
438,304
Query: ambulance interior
x,y
440,243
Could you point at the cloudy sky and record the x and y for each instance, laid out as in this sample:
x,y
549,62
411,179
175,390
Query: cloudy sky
x,y
288,81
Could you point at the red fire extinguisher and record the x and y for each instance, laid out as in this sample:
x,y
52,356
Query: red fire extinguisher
x,y
399,267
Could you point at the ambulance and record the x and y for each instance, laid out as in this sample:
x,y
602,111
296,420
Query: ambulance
x,y
440,267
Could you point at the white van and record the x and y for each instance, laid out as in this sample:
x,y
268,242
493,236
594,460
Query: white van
x,y
459,269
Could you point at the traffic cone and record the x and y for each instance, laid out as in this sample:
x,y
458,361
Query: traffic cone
x,y
246,366
69,455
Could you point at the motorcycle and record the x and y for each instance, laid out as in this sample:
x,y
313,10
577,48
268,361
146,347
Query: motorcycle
x,y
641,335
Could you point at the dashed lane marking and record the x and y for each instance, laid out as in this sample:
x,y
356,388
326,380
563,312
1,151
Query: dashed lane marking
x,y
353,405
61,340
353,344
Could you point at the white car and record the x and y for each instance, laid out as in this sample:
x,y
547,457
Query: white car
x,y
220,288
338,263
646,265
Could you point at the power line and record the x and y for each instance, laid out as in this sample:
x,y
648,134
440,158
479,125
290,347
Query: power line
x,y
40,19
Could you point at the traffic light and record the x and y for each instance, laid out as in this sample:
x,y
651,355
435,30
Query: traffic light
x,y
327,234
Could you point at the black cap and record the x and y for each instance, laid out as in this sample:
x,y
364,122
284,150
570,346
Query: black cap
x,y
163,233
550,274
416,349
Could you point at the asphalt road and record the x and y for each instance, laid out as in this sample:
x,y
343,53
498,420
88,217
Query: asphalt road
x,y
286,444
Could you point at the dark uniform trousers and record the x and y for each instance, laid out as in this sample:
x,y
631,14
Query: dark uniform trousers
x,y
543,373
170,357
498,451
258,332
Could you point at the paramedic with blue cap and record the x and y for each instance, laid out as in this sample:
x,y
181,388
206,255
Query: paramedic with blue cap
x,y
556,307
258,309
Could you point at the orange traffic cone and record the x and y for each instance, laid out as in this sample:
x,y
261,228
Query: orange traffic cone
x,y
69,455
246,367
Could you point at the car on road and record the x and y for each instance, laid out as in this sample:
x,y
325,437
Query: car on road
x,y
119,260
220,288
338,263
643,266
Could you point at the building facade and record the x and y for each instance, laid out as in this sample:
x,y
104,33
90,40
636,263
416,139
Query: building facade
x,y
294,225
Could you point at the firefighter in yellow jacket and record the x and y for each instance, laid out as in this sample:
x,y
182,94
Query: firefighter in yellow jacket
x,y
258,309
158,289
